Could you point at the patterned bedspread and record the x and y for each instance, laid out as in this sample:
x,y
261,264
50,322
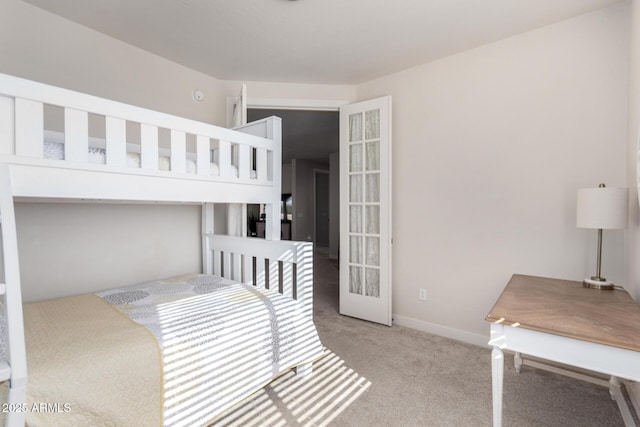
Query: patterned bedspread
x,y
220,340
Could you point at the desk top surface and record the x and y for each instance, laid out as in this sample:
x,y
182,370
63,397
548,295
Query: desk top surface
x,y
566,308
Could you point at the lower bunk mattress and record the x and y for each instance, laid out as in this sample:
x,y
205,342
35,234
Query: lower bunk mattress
x,y
175,352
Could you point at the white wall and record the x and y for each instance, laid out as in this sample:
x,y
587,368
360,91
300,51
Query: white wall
x,y
66,247
302,193
490,147
41,46
633,160
295,92
633,153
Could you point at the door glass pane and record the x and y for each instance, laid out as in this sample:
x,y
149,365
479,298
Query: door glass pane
x,y
373,187
372,220
373,251
355,158
355,250
355,219
372,282
372,156
372,124
355,280
355,127
355,188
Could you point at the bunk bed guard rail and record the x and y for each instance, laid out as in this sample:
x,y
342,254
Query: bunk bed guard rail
x,y
283,266
133,141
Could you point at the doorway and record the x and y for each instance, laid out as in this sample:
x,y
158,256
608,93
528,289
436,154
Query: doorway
x,y
364,188
309,138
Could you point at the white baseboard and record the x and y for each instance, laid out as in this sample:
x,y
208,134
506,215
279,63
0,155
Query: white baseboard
x,y
443,331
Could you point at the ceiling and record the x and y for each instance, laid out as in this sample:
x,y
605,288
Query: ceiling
x,y
312,41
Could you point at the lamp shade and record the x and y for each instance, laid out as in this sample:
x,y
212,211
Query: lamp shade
x,y
602,207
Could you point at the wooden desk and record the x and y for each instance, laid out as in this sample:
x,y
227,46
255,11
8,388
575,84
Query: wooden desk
x,y
562,321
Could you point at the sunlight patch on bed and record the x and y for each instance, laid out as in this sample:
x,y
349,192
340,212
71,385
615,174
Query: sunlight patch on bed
x,y
315,400
220,340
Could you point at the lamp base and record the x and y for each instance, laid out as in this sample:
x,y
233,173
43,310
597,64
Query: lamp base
x,y
597,283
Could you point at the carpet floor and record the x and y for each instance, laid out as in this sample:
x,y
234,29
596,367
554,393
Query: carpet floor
x,y
373,375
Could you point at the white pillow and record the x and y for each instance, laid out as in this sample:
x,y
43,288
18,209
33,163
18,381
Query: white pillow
x,y
53,150
133,160
164,163
97,155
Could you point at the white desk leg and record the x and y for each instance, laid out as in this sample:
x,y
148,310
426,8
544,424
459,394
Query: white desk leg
x,y
615,391
614,386
497,377
517,361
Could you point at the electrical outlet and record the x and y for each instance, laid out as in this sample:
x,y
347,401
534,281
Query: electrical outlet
x,y
422,294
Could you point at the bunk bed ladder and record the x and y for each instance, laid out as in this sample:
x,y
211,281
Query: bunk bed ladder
x,y
14,368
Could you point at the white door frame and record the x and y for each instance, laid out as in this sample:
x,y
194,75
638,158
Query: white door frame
x,y
296,104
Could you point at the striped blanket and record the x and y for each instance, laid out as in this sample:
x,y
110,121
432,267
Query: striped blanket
x,y
220,340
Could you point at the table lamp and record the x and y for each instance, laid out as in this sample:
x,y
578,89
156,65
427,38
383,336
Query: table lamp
x,y
602,208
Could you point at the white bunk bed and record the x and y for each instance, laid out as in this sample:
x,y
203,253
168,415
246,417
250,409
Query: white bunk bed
x,y
203,164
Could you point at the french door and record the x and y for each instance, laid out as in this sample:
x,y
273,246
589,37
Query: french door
x,y
365,210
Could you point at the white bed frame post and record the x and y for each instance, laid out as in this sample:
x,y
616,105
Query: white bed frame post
x,y
15,368
7,125
273,225
207,229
